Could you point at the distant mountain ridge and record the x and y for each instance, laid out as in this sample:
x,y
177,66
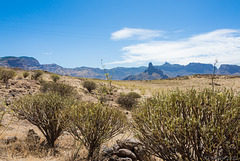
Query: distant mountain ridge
x,y
150,73
23,62
29,63
226,69
174,70
119,73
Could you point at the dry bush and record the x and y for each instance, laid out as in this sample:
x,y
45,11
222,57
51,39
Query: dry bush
x,y
36,75
6,74
105,93
46,111
23,150
55,77
62,89
25,74
103,99
190,125
104,89
94,124
89,85
134,95
128,100
2,111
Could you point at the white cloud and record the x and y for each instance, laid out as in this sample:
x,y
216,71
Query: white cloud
x,y
223,45
47,53
139,34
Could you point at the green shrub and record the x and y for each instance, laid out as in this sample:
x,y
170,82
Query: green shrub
x,y
129,100
36,75
6,74
190,125
55,77
89,85
104,89
126,102
94,124
46,111
62,89
105,93
25,74
134,95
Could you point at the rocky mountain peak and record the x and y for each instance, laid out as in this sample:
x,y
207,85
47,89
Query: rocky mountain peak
x,y
150,65
150,70
149,74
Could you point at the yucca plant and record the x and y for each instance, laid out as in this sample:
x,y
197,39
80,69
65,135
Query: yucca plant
x,y
190,125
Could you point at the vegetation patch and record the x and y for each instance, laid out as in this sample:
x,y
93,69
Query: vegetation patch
x,y
25,74
190,125
89,85
6,74
46,111
94,124
61,88
55,77
129,100
37,74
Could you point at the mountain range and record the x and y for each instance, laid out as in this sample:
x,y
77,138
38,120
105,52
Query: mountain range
x,y
156,72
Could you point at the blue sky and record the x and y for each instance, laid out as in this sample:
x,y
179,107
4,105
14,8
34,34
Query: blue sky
x,y
74,33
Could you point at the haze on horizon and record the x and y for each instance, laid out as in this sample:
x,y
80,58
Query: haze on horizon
x,y
121,32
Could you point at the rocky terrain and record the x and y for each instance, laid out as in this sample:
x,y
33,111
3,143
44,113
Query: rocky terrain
x,y
19,139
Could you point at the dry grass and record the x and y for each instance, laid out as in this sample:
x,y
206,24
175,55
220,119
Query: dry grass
x,y
22,150
187,82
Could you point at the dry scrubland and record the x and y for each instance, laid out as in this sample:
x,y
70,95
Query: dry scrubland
x,y
198,82
65,145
